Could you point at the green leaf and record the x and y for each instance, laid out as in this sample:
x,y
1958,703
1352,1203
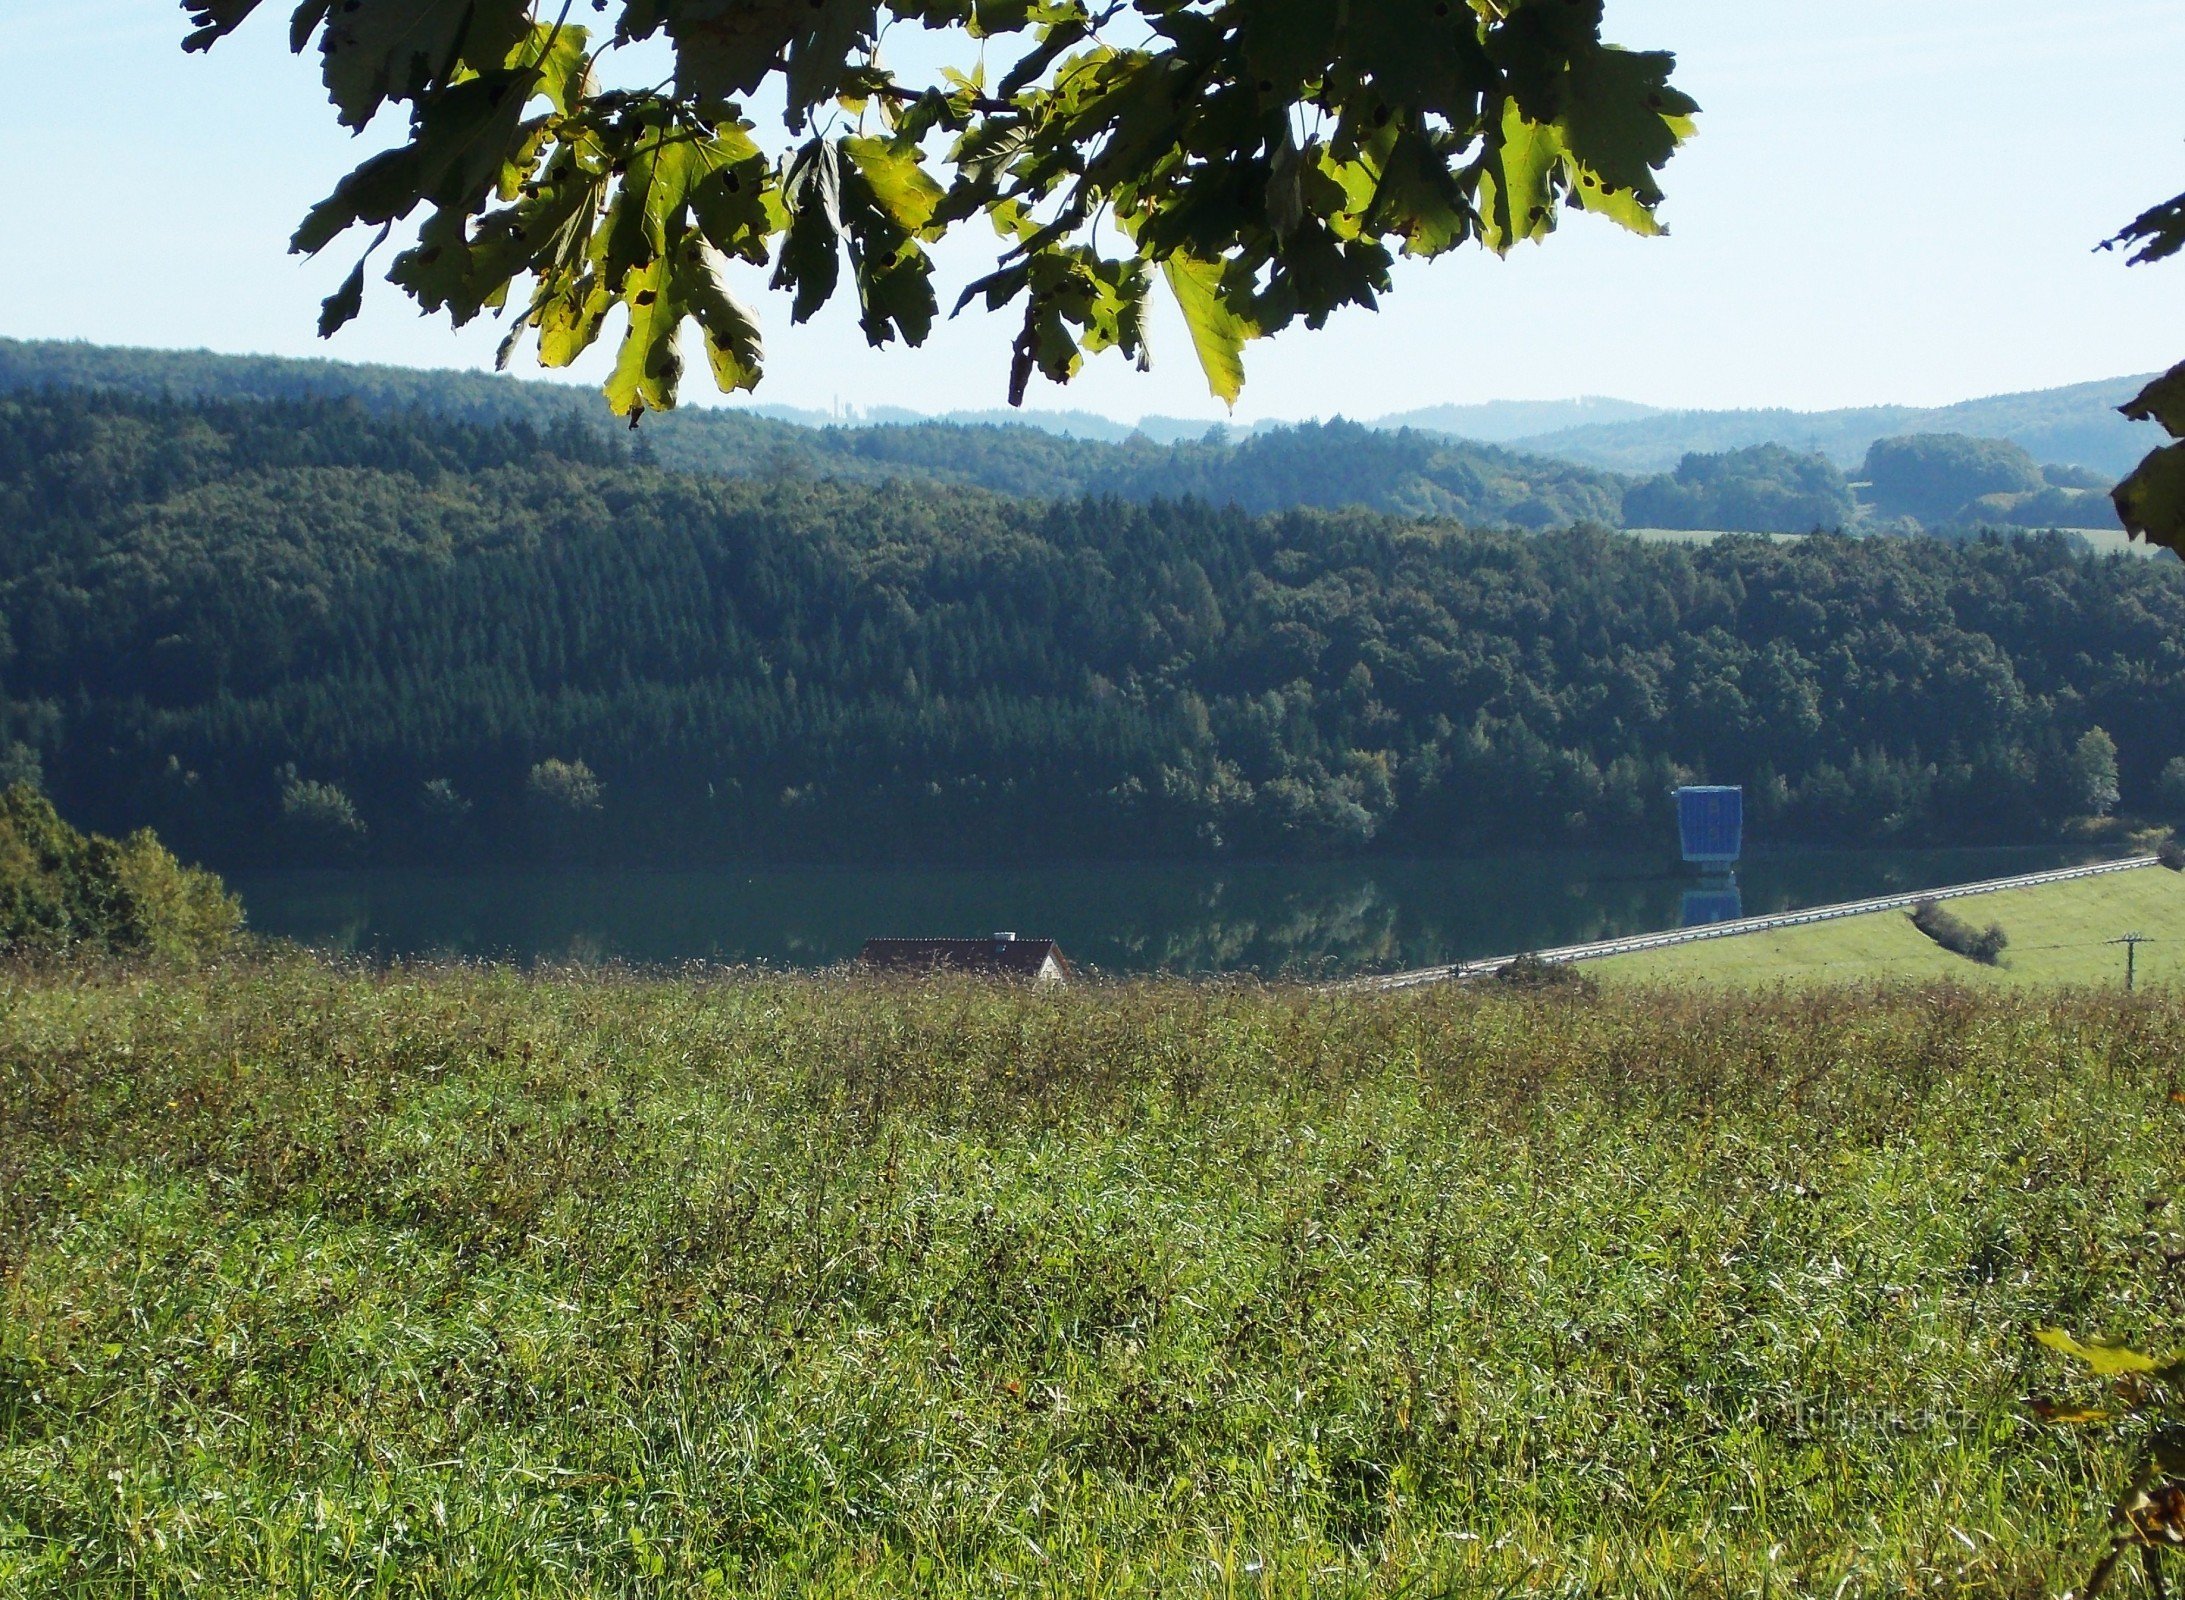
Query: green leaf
x,y
344,303
464,136
558,54
1622,122
903,188
1218,331
2154,235
732,196
895,293
436,270
811,255
641,222
570,321
1421,199
2151,502
2162,401
648,367
2106,1360
303,22
1437,122
375,50
213,20
734,346
383,189
1517,188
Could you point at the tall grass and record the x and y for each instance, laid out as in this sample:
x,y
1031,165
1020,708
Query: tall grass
x,y
462,1282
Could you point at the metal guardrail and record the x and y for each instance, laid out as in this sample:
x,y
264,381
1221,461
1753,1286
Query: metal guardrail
x,y
1488,966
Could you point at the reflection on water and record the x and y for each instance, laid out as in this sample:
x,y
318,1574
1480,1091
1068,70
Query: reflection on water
x,y
1715,900
1327,917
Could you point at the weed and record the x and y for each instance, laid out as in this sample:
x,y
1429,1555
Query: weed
x,y
321,1280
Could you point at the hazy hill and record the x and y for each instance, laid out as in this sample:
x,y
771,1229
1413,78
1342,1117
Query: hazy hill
x,y
1705,470
2077,425
1506,421
1313,464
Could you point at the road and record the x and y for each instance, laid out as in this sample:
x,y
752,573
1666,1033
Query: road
x,y
1488,966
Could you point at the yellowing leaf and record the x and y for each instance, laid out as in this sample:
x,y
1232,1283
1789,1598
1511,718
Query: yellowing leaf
x,y
2107,1360
2065,1416
1218,332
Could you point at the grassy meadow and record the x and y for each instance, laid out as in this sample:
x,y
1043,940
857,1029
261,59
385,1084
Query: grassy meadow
x,y
330,1281
2059,934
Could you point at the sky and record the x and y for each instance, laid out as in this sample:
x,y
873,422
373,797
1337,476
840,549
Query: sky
x,y
1887,202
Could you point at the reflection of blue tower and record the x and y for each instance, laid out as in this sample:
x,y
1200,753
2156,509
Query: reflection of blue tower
x,y
1711,829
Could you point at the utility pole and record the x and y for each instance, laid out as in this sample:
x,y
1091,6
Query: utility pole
x,y
2131,943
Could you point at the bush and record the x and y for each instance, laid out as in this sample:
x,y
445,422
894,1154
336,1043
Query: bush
x,y
2171,853
441,801
1529,974
2170,788
63,892
1985,945
563,788
320,815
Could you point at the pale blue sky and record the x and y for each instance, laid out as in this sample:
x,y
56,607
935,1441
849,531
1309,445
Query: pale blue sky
x,y
1887,202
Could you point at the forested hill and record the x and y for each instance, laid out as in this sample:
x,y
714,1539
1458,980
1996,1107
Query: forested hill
x,y
305,631
1759,489
1333,464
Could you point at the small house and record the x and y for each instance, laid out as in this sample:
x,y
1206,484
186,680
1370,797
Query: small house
x,y
1004,955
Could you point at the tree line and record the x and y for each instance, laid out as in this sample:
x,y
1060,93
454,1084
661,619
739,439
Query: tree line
x,y
303,631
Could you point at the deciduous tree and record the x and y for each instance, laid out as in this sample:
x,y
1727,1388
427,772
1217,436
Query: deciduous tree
x,y
1267,160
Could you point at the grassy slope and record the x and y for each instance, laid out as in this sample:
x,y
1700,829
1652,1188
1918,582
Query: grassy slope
x,y
2058,935
463,1283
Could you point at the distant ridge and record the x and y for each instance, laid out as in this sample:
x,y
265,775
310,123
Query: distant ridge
x,y
206,374
2078,425
1506,421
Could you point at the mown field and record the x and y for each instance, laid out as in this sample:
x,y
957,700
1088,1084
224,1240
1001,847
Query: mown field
x,y
324,1281
2060,933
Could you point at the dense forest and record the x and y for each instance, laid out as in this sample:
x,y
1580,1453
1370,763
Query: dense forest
x,y
309,631
1905,484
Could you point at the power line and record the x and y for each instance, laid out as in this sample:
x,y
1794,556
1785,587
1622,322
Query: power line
x,y
2131,943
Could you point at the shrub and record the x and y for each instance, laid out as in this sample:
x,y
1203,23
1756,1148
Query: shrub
x,y
1531,975
563,788
441,801
2170,788
1985,945
2171,853
63,892
319,814
19,763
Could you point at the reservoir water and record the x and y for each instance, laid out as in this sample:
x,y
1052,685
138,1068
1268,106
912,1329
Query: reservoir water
x,y
1317,918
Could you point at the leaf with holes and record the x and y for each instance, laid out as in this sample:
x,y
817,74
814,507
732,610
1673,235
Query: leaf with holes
x,y
734,347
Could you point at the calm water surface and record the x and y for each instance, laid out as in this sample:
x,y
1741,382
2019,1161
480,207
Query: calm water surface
x,y
1359,916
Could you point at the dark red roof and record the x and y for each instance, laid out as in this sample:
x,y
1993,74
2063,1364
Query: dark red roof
x,y
1019,958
